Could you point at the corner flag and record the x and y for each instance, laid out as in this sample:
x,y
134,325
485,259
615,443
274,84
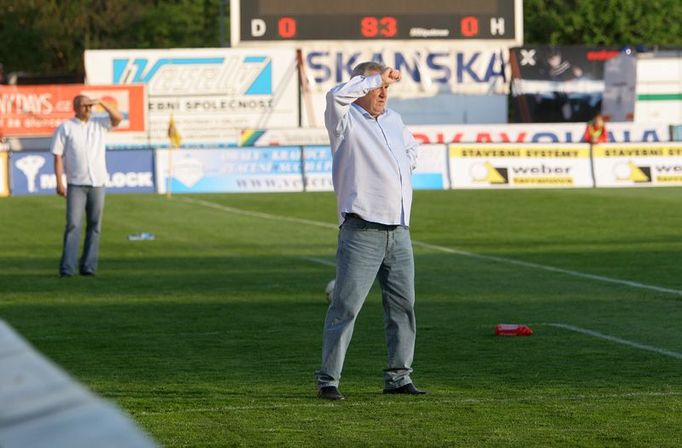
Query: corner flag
x,y
173,134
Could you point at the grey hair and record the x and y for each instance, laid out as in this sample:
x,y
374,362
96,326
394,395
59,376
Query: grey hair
x,y
364,68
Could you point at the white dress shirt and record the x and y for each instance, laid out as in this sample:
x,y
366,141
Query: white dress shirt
x,y
81,144
373,158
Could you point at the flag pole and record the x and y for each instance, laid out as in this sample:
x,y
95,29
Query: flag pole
x,y
174,139
169,174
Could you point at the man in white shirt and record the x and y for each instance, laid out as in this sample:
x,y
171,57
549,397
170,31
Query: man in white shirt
x,y
374,155
79,152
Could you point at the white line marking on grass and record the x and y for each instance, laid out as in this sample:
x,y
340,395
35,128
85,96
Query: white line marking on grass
x,y
550,268
269,216
660,351
320,261
411,402
449,250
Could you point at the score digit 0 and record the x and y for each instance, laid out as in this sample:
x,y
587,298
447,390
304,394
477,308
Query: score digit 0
x,y
378,26
286,26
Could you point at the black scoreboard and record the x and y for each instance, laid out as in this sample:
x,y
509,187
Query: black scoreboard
x,y
320,20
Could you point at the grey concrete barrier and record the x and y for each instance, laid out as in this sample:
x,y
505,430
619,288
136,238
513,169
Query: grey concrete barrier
x,y
42,406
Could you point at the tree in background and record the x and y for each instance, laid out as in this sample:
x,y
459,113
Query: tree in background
x,y
49,36
603,22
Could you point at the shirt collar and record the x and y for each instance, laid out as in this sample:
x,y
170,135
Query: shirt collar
x,y
366,114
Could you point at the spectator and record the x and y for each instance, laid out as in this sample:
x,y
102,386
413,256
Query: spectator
x,y
596,132
79,151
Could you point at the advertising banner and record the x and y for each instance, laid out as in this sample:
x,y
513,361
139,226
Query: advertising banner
x,y
432,168
317,168
431,172
229,171
4,177
36,111
284,137
520,166
472,133
440,83
536,133
426,70
211,93
638,165
32,173
558,84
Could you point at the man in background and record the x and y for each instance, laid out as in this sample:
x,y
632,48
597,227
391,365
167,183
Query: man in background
x,y
374,155
595,131
79,152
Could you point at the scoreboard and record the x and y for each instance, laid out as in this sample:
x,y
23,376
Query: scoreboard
x,y
271,21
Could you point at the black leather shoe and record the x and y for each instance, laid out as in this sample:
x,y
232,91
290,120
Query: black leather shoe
x,y
407,389
88,274
330,393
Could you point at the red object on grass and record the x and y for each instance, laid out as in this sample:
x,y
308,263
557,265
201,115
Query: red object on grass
x,y
513,330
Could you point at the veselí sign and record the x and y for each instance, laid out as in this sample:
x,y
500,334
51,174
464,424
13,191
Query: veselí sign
x,y
211,92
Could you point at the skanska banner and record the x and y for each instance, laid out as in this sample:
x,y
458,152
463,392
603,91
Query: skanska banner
x,y
427,70
440,83
211,93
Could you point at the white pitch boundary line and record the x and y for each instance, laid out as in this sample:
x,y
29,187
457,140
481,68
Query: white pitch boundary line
x,y
268,216
596,334
444,249
550,268
430,401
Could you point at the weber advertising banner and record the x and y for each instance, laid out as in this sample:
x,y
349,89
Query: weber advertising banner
x,y
536,133
520,166
229,171
4,178
211,93
638,165
440,83
32,173
36,111
558,84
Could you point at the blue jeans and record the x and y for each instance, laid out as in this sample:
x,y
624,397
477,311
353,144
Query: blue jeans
x,y
80,199
367,251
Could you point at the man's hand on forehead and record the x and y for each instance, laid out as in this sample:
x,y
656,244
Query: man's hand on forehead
x,y
390,75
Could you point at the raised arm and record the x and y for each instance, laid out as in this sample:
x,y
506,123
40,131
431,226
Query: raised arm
x,y
115,116
343,95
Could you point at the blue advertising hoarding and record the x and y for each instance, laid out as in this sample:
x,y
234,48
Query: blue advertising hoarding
x,y
229,171
32,172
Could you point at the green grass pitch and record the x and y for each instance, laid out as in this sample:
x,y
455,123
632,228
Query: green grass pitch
x,y
208,336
